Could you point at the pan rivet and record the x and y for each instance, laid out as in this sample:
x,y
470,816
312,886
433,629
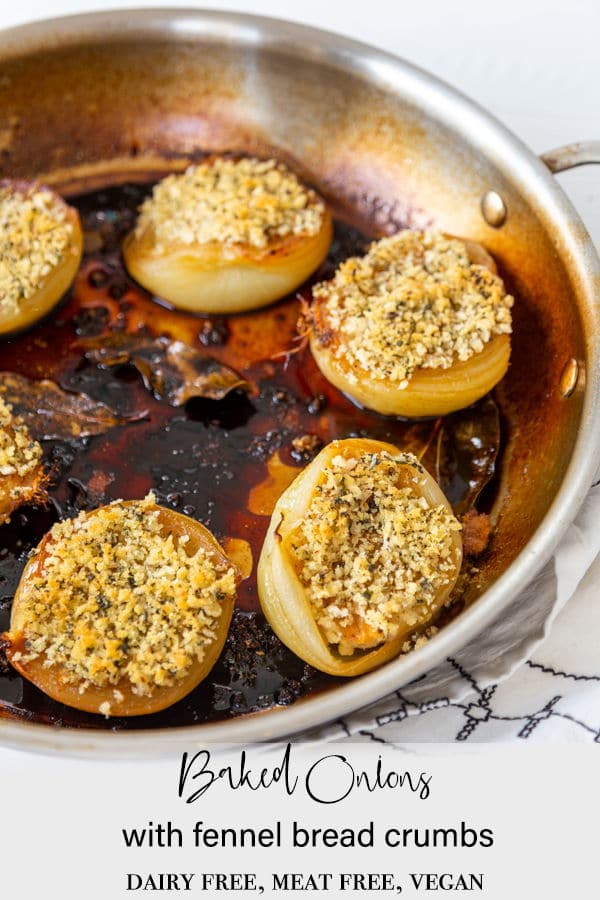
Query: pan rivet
x,y
569,378
493,209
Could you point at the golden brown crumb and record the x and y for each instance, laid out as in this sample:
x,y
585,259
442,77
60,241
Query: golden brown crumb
x,y
306,444
413,301
35,235
117,599
246,201
20,457
419,640
370,550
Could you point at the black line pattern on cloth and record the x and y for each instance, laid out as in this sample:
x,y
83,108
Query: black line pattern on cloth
x,y
480,709
343,725
589,728
466,675
548,670
373,737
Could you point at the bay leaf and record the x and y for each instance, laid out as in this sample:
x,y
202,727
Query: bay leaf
x,y
462,453
172,370
52,413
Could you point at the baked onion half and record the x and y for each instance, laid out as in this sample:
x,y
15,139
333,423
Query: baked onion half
x,y
22,476
418,327
41,244
146,629
228,236
361,554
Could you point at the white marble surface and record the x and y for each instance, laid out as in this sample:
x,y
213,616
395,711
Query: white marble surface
x,y
536,66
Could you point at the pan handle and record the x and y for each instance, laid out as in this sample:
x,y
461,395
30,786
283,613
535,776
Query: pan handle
x,y
571,155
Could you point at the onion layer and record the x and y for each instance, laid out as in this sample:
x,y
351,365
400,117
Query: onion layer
x,y
215,278
430,392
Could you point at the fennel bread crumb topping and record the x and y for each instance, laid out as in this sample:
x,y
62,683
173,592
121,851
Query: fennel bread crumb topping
x,y
35,234
20,455
414,301
371,553
118,599
246,201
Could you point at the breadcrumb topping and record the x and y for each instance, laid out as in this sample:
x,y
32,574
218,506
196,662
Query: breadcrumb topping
x,y
20,456
414,301
35,235
246,201
371,552
117,599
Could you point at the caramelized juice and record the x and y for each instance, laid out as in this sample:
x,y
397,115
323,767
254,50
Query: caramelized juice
x,y
223,462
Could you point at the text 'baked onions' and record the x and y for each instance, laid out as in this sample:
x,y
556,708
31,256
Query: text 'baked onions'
x,y
41,244
123,610
362,552
228,236
419,326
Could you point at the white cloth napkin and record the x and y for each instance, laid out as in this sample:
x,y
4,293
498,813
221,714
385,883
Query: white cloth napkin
x,y
534,674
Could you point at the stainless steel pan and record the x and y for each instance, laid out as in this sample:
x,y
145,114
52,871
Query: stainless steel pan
x,y
99,97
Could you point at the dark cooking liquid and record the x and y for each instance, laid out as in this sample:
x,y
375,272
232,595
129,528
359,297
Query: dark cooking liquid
x,y
202,459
